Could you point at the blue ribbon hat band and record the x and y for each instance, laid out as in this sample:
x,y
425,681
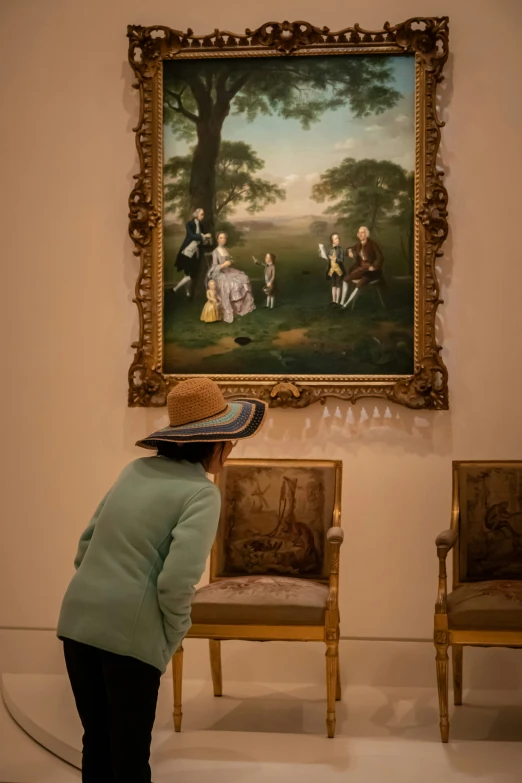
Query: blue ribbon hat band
x,y
242,420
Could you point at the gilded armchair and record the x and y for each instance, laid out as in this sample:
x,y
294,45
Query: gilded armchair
x,y
274,570
484,608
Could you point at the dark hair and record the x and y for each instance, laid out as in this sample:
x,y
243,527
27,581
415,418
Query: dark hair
x,y
335,234
272,256
187,452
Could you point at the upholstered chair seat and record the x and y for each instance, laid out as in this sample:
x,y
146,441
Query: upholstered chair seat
x,y
494,605
261,600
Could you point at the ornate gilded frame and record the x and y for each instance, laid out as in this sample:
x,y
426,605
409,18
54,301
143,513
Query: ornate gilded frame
x,y
427,39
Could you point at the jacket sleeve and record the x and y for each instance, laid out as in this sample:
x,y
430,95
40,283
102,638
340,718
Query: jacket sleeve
x,y
192,235
85,538
216,262
379,257
192,540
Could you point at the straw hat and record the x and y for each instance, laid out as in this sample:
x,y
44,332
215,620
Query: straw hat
x,y
198,412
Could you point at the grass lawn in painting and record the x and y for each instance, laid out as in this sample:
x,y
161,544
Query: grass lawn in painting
x,y
304,334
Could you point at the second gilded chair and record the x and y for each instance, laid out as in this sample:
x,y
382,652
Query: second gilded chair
x,y
484,609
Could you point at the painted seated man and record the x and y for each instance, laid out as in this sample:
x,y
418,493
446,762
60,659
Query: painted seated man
x,y
368,261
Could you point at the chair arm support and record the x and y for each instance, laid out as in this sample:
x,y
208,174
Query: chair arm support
x,y
335,535
445,542
447,539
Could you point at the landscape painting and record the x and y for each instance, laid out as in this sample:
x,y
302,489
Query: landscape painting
x,y
274,519
490,521
288,215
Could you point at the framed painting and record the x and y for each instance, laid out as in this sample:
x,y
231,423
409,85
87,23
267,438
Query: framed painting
x,y
488,498
288,212
275,515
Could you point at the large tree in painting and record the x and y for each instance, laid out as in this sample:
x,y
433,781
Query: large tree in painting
x,y
236,183
199,95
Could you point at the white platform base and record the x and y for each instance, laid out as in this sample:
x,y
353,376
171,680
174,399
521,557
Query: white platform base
x,y
259,733
395,664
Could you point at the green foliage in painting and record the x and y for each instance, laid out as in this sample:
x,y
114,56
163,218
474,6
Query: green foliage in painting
x,y
199,96
236,182
371,193
319,228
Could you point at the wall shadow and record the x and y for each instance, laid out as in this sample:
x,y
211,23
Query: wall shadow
x,y
350,428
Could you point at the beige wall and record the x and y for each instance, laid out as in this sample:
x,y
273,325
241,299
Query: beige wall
x,y
68,271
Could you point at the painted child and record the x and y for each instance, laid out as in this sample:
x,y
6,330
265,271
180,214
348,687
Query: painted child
x,y
270,278
336,270
212,309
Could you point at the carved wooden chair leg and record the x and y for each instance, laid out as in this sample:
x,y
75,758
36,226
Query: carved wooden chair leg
x,y
441,646
215,666
338,689
457,651
177,676
332,660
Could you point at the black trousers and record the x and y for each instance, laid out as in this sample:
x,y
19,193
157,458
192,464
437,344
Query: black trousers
x,y
116,698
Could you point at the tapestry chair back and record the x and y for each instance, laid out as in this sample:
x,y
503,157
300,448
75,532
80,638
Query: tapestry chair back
x,y
274,520
489,498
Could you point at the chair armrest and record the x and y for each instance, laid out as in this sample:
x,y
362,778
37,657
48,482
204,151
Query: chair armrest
x,y
335,535
447,539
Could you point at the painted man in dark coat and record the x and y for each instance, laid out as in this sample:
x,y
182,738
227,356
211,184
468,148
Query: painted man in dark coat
x,y
368,261
190,264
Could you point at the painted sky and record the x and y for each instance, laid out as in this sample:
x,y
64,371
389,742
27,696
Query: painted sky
x,y
295,158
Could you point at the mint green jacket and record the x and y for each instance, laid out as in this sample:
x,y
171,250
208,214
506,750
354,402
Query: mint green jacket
x,y
139,560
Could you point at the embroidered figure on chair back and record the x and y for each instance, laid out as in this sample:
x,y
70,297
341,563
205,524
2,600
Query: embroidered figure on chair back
x,y
274,522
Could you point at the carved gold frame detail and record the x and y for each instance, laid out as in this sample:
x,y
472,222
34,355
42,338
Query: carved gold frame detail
x,y
427,39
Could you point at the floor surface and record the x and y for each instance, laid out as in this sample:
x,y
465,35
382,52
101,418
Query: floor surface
x,y
259,733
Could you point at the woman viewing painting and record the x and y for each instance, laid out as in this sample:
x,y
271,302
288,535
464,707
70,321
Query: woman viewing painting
x,y
233,286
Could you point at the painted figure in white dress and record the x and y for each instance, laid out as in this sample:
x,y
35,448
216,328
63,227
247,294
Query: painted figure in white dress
x,y
233,286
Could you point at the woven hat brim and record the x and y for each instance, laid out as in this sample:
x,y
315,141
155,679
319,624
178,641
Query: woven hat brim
x,y
241,420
